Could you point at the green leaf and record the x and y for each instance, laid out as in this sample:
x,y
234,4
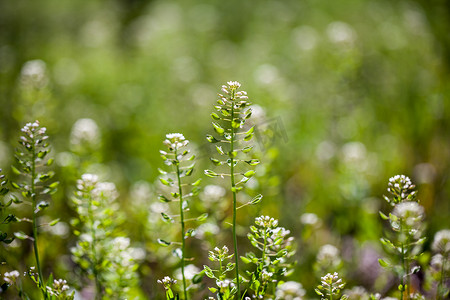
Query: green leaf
x,y
15,199
383,263
211,139
197,183
15,185
230,267
167,218
10,218
215,116
232,154
383,216
256,199
216,161
198,277
211,289
164,243
248,113
21,235
202,217
218,128
163,198
50,162
247,149
54,222
210,173
253,162
219,149
208,272
250,131
15,170
245,260
165,182
248,137
161,171
249,173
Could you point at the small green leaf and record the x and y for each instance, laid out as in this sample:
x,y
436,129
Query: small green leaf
x,y
164,243
215,116
50,162
161,171
253,162
210,173
167,218
256,199
216,161
211,139
248,137
208,272
197,183
211,289
247,149
218,128
21,235
165,182
15,185
235,123
202,217
232,154
163,198
383,216
54,222
219,149
190,232
15,170
250,131
198,277
245,260
249,173
383,263
230,267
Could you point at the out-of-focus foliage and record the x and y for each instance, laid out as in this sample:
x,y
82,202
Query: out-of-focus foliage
x,y
346,93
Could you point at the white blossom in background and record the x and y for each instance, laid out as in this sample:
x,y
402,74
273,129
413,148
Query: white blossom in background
x,y
85,133
341,33
290,290
441,242
189,272
11,277
212,193
328,257
34,74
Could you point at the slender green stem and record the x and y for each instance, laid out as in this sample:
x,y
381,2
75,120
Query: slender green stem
x,y
98,285
35,225
233,189
180,191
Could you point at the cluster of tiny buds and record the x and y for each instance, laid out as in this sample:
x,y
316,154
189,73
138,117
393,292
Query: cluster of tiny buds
x,y
400,185
332,282
33,134
167,282
219,254
231,89
175,140
266,222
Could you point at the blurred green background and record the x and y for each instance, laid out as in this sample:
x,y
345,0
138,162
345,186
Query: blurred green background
x,y
355,91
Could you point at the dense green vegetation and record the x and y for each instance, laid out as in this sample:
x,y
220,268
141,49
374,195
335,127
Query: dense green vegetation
x,y
346,94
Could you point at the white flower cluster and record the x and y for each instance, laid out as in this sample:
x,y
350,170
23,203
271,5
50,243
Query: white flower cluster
x,y
401,187
332,283
266,222
328,257
412,213
34,134
167,282
11,277
85,132
231,88
290,290
219,254
441,242
34,74
175,140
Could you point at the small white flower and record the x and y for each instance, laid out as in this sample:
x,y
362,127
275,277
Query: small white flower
x,y
85,132
290,290
441,241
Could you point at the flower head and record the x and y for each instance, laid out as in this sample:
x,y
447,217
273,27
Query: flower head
x,y
290,290
175,140
167,282
441,242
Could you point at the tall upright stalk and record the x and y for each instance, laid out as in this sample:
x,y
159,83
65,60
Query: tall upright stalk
x,y
233,114
233,189
176,156
183,242
31,160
